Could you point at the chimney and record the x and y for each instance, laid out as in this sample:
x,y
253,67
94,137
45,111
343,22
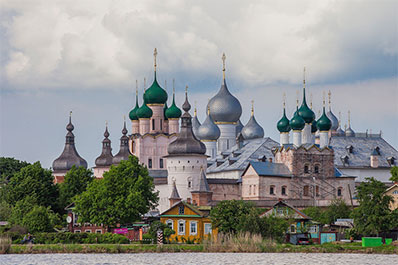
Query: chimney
x,y
270,159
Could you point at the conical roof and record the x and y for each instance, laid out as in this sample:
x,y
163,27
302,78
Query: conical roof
x,y
186,142
195,123
349,132
155,94
323,123
208,130
124,151
297,122
202,185
105,159
69,156
174,193
333,119
283,124
252,129
239,127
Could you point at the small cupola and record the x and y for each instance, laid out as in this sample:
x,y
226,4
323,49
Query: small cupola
x,y
349,149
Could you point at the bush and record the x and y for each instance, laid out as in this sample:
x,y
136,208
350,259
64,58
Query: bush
x,y
147,239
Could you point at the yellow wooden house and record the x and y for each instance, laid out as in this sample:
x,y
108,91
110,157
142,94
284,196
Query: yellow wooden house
x,y
189,222
393,192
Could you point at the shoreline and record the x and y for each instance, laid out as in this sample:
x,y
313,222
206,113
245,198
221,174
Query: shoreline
x,y
186,248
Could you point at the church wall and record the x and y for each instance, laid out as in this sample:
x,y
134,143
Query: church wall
x,y
225,192
99,171
233,174
164,194
381,174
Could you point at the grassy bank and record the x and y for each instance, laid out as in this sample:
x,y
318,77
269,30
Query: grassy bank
x,y
257,248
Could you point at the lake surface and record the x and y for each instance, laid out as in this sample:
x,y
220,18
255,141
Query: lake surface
x,y
200,258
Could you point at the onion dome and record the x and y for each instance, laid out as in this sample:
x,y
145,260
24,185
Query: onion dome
x,y
124,151
283,124
144,112
331,116
208,130
195,123
105,159
69,156
186,143
239,127
323,123
164,111
304,111
349,132
133,113
252,129
314,128
173,112
155,94
224,107
297,123
339,131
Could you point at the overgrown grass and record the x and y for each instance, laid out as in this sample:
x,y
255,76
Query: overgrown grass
x,y
5,244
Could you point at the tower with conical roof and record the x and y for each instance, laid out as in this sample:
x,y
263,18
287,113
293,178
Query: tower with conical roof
x,y
174,196
104,161
284,126
225,110
195,122
201,194
308,116
349,132
173,114
252,130
186,158
208,133
124,151
69,156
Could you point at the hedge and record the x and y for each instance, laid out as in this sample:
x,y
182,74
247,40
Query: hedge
x,y
71,238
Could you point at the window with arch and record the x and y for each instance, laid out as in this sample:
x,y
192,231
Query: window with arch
x,y
153,124
161,124
161,163
316,169
170,224
395,192
306,168
340,191
272,190
189,183
183,168
317,190
306,190
283,190
250,189
149,162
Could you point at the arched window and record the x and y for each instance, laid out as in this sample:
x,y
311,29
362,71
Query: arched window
x,y
306,168
283,190
153,124
189,182
317,190
306,191
340,191
316,169
272,190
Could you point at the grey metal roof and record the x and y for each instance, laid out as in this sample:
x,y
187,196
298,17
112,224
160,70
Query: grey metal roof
x,y
202,185
333,119
105,159
124,151
174,193
208,130
252,129
158,173
271,169
249,152
363,147
195,125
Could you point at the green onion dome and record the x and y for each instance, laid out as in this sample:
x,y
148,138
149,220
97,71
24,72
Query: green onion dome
x,y
283,124
313,127
144,111
324,123
297,123
133,113
173,112
155,94
305,112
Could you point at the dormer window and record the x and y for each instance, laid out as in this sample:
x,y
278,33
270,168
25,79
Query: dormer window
x,y
391,160
181,210
349,149
377,150
344,160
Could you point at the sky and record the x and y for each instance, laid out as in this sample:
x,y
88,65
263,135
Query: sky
x,y
85,56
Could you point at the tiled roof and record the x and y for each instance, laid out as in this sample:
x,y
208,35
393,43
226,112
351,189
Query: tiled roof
x,y
271,169
363,147
251,151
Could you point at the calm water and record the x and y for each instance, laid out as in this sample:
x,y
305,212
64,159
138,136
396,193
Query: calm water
x,y
200,258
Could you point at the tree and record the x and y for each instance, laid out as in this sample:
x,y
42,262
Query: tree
x,y
373,215
22,208
75,182
35,182
227,216
274,228
394,174
157,225
5,211
9,166
317,214
124,194
39,219
338,209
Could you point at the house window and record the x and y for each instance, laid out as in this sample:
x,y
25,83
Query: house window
x,y
87,231
280,212
316,169
306,190
169,223
292,229
250,189
339,192
98,231
181,227
193,227
207,227
283,191
161,163
271,190
395,192
181,210
306,168
150,163
161,123
317,190
77,231
254,189
313,229
153,124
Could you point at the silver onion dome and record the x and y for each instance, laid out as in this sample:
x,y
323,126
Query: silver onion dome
x,y
333,119
208,130
106,157
349,132
252,129
195,124
124,151
239,127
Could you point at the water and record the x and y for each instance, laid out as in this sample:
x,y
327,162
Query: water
x,y
200,258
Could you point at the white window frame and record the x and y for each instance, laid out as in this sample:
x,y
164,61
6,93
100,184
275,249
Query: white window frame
x,y
193,224
395,192
77,231
87,231
178,228
98,231
204,228
170,221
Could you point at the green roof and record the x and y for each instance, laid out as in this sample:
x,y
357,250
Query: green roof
x,y
133,113
305,112
144,111
283,124
324,123
173,112
155,94
297,122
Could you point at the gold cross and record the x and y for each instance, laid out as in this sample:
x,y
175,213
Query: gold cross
x,y
284,99
174,82
252,107
223,58
70,113
330,97
155,53
304,77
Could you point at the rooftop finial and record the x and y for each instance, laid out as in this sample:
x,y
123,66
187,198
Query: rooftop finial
x,y
284,100
144,84
324,103
165,85
124,118
223,58
311,100
339,118
174,89
186,90
304,77
252,107
297,99
330,98
136,87
194,111
349,119
155,53
208,107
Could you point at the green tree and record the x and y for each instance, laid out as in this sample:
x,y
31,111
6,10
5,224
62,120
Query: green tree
x,y
227,216
22,208
122,196
35,182
373,215
39,219
274,228
75,182
5,211
157,225
394,174
338,209
9,166
317,214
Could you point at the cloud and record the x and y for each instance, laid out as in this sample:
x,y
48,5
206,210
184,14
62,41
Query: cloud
x,y
108,44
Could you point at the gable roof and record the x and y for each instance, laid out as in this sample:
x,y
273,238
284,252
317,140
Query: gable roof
x,y
269,169
392,187
298,213
188,205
